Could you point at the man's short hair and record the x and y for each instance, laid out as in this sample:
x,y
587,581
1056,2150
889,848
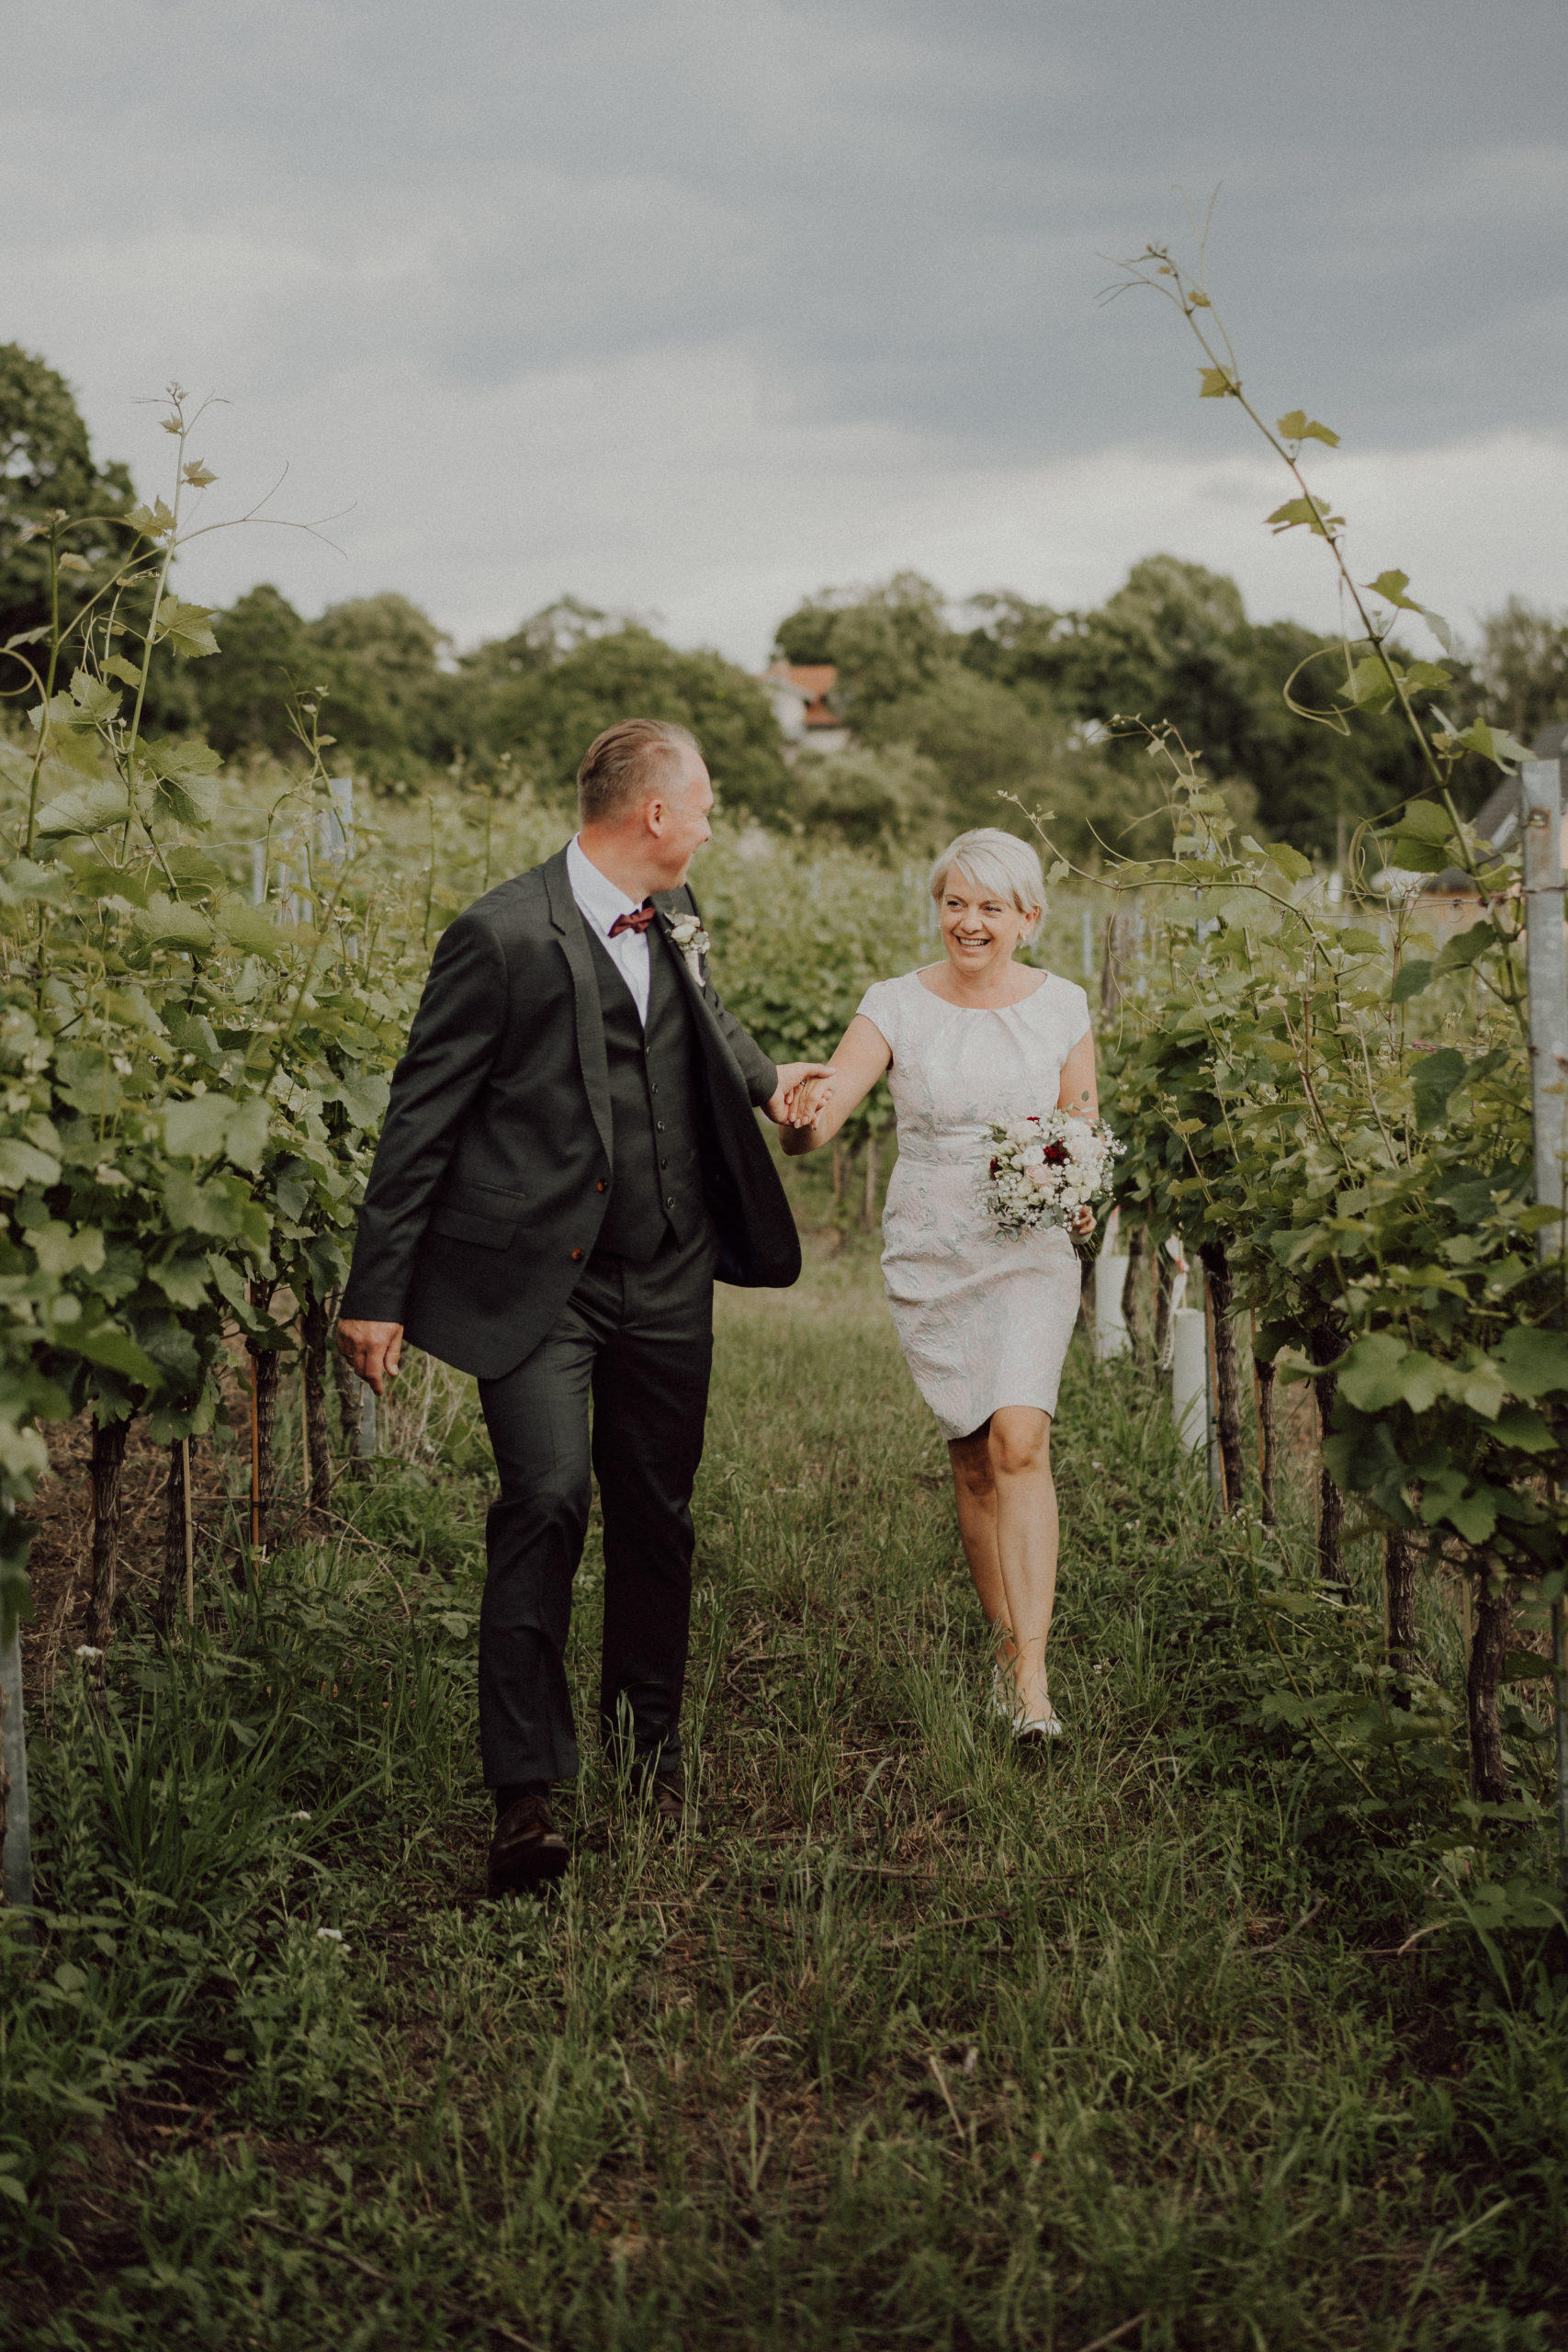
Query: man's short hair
x,y
624,763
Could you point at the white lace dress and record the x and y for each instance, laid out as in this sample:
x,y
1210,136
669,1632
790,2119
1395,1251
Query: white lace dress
x,y
983,1321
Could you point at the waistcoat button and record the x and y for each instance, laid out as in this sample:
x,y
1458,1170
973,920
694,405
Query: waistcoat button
x,y
603,1185
576,1256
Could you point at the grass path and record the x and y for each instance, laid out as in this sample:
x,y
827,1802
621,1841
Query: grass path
x,y
919,2045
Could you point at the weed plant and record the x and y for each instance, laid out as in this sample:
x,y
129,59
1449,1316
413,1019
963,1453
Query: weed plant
x,y
919,2042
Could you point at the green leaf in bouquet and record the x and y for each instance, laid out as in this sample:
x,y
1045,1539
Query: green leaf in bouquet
x,y
93,810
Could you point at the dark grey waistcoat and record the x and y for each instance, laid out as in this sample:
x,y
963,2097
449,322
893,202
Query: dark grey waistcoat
x,y
656,1182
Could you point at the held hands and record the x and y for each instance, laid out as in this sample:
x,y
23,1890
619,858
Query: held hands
x,y
374,1350
802,1090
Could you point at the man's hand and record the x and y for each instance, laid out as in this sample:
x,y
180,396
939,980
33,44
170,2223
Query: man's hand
x,y
374,1350
783,1107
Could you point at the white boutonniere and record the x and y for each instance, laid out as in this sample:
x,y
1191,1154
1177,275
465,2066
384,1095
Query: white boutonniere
x,y
694,944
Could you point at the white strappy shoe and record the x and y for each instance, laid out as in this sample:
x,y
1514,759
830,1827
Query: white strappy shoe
x,y
1032,1728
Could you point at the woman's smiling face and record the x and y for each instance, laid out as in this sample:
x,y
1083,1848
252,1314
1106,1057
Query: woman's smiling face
x,y
979,931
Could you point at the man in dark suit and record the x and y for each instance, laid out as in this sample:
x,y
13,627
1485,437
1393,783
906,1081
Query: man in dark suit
x,y
570,1157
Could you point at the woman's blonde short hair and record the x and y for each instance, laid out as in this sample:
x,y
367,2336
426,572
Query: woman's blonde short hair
x,y
999,864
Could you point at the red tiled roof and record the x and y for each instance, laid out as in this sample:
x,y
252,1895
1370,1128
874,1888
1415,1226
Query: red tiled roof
x,y
814,680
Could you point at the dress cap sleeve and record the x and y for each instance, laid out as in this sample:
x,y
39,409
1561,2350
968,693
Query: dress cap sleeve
x,y
880,1006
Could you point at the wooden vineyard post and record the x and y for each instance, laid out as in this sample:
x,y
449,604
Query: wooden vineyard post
x,y
317,1444
191,1531
1540,811
15,1829
1263,1400
1224,1471
179,1541
109,1461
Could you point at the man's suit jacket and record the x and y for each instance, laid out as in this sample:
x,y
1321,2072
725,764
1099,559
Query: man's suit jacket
x,y
491,1178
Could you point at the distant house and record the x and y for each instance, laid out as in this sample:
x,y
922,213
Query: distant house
x,y
800,691
1450,899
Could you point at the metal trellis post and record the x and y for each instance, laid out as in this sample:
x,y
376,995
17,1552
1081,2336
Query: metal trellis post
x,y
1540,811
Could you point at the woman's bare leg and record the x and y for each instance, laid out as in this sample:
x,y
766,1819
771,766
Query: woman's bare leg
x,y
1006,1518
974,1491
1027,1541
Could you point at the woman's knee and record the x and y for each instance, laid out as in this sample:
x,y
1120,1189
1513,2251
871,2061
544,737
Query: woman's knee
x,y
971,1460
1020,1443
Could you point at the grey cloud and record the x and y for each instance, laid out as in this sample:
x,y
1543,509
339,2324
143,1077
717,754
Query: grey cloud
x,y
883,216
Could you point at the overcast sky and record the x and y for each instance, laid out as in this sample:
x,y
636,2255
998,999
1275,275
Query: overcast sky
x,y
692,306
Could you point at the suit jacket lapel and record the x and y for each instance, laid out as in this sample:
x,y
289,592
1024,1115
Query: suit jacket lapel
x,y
567,917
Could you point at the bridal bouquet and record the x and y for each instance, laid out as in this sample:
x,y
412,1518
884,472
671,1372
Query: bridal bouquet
x,y
1041,1172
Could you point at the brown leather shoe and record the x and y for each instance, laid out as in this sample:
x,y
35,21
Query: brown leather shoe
x,y
527,1850
667,1795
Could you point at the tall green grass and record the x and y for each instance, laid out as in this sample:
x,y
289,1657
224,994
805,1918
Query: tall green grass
x,y
918,2044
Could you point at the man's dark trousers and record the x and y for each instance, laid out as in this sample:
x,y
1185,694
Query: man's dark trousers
x,y
636,1337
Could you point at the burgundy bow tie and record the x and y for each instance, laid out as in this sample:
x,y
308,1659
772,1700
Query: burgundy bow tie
x,y
639,922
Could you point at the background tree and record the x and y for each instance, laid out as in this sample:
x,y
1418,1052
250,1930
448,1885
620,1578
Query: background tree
x,y
545,693
1522,667
267,652
46,467
390,707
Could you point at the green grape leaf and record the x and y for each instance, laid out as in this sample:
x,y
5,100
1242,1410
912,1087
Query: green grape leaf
x,y
185,627
1217,384
1534,1362
184,1280
197,1129
251,928
1289,860
167,923
61,1251
1436,1078
1297,426
93,810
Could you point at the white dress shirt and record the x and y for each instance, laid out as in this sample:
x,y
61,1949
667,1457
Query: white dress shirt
x,y
601,901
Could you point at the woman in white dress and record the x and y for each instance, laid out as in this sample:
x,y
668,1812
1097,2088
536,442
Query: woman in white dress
x,y
984,1318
